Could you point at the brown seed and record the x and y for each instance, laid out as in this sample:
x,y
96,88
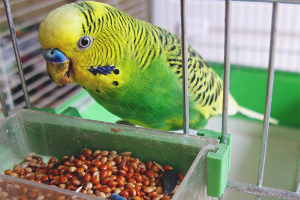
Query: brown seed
x,y
8,171
76,182
96,152
28,158
159,190
84,166
125,153
130,185
63,186
104,153
72,169
14,174
100,194
52,160
148,189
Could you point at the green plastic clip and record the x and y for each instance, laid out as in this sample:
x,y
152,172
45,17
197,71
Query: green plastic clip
x,y
218,164
70,111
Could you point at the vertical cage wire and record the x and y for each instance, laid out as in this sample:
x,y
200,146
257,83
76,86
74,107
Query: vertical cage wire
x,y
268,97
226,71
185,68
226,74
2,98
16,51
297,185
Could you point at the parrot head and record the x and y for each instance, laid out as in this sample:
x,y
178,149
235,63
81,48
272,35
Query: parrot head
x,y
69,36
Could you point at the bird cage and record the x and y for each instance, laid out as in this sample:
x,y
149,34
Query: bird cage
x,y
203,158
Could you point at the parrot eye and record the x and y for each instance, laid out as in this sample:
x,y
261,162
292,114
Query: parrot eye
x,y
84,42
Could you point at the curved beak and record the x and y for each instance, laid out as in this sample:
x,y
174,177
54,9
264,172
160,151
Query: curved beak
x,y
58,67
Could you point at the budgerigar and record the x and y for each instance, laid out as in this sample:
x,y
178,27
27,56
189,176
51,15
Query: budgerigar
x,y
131,67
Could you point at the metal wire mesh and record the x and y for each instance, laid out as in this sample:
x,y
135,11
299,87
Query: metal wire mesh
x,y
258,189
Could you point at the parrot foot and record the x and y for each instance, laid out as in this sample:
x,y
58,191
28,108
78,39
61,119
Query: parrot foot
x,y
124,123
102,70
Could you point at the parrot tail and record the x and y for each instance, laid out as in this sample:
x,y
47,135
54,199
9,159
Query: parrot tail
x,y
255,115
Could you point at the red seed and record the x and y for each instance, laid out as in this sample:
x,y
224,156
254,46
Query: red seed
x,y
153,194
154,168
124,193
120,182
103,174
104,180
143,171
97,186
95,179
87,177
180,177
68,175
129,175
52,160
168,167
138,177
97,163
87,153
70,187
149,164
130,170
122,172
117,159
105,189
112,183
103,167
44,178
66,163
132,192
63,179
150,174
146,182
78,170
93,169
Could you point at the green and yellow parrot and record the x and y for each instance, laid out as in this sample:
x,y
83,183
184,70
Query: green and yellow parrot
x,y
130,67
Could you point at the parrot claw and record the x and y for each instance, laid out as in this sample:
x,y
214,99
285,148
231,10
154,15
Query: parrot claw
x,y
102,70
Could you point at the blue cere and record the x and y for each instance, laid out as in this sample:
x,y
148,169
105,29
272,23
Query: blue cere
x,y
54,55
114,196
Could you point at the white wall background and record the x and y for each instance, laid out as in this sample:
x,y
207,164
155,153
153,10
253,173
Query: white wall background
x,y
251,24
